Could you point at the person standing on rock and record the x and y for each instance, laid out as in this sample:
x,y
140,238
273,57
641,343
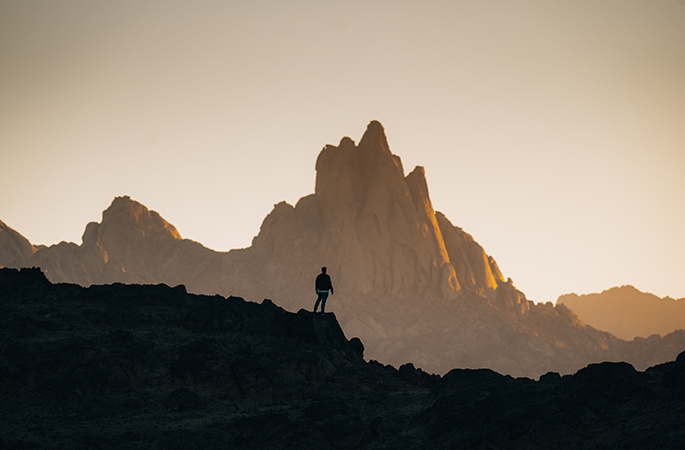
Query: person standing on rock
x,y
322,285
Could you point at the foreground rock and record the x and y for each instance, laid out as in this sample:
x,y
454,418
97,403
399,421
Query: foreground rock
x,y
140,367
628,313
414,287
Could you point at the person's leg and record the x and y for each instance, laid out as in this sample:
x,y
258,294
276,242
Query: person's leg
x,y
324,296
318,300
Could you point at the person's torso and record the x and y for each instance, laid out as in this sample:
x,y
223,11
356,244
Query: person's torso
x,y
323,281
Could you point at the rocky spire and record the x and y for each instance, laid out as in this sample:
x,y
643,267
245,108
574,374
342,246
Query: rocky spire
x,y
374,138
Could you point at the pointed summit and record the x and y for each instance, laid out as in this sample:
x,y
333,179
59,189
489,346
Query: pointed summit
x,y
377,226
374,138
349,170
131,214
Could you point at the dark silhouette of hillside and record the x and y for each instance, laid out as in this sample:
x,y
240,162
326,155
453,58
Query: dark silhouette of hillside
x,y
414,287
151,366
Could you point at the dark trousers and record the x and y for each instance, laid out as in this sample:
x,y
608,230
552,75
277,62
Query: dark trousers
x,y
323,295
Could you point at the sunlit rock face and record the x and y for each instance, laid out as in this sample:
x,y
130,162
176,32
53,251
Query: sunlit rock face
x,y
376,230
380,230
628,313
414,287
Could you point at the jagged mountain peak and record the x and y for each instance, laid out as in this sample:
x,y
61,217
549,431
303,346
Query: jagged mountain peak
x,y
350,170
134,215
374,138
625,289
378,225
418,186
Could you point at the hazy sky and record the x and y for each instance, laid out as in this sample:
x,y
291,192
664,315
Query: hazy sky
x,y
551,131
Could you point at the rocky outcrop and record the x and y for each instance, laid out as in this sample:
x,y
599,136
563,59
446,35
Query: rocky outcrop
x,y
150,366
414,287
131,244
628,313
15,249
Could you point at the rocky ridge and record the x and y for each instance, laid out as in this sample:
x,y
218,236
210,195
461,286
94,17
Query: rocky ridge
x,y
628,313
16,250
414,287
148,366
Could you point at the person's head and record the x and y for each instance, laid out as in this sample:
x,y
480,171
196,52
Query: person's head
x,y
323,270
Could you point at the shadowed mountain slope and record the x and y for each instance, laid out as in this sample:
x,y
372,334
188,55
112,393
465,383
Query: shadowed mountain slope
x,y
15,249
414,287
628,313
153,367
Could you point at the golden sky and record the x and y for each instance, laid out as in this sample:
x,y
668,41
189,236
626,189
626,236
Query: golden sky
x,y
552,131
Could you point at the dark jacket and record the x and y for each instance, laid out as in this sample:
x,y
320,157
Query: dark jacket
x,y
323,282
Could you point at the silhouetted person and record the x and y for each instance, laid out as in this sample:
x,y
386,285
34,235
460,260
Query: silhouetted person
x,y
322,285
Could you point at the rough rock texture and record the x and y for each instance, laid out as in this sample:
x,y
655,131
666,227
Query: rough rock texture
x,y
15,249
153,367
414,287
628,313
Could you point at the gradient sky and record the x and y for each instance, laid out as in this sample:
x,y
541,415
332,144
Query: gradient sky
x,y
551,131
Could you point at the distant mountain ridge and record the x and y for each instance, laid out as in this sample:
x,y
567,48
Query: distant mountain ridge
x,y
411,285
627,312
